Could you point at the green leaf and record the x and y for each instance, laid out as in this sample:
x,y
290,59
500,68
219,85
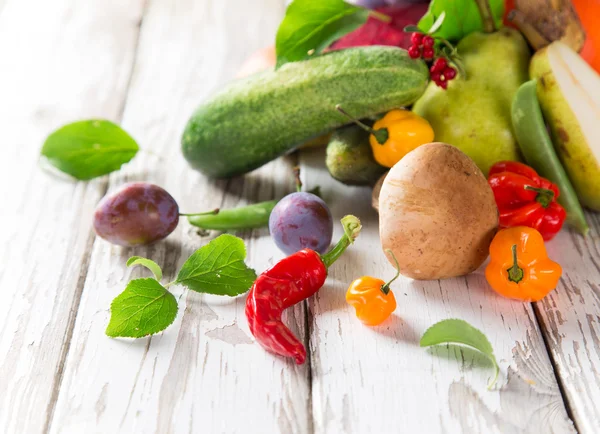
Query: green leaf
x,y
218,268
457,331
462,17
144,308
148,263
310,26
88,149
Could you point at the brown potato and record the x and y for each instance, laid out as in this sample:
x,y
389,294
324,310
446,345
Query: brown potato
x,y
437,213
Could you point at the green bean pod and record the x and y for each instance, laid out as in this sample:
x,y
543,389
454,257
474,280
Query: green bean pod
x,y
537,149
246,217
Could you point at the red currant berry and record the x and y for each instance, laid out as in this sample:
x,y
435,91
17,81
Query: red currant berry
x,y
435,76
440,64
443,84
414,52
416,38
428,41
449,73
428,53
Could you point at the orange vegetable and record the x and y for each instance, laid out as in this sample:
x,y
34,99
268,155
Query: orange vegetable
x,y
589,12
372,298
519,265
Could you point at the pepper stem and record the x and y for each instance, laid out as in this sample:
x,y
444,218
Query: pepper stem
x,y
352,228
380,135
486,16
297,178
544,196
515,273
213,212
386,288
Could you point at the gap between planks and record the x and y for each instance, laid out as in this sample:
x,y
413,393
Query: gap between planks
x,y
58,376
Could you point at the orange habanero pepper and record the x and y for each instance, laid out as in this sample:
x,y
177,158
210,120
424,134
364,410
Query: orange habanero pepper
x,y
372,298
519,265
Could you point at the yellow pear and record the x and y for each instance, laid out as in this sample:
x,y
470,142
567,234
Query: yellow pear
x,y
569,93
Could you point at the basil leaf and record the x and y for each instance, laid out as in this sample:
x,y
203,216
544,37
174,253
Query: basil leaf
x,y
144,308
462,17
148,263
457,331
310,26
218,268
88,149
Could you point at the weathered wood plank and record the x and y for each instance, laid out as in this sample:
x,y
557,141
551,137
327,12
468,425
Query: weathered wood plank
x,y
202,374
58,63
380,380
570,319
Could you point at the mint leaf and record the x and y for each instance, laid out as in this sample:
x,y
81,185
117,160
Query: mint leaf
x,y
144,308
462,17
148,263
218,268
310,26
457,331
88,149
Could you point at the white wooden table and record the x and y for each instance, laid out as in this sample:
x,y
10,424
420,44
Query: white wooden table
x,y
146,65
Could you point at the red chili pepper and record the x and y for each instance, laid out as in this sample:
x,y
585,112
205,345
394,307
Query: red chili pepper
x,y
288,282
526,199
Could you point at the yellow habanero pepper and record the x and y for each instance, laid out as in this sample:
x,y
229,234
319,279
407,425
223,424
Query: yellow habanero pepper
x,y
519,265
395,135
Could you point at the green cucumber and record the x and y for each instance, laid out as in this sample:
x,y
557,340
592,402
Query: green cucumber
x,y
350,158
257,119
536,146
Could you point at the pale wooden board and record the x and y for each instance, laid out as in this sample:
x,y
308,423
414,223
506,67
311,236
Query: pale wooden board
x,y
203,374
380,380
58,63
571,321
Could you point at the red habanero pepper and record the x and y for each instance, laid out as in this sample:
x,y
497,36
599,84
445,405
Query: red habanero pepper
x,y
287,283
526,199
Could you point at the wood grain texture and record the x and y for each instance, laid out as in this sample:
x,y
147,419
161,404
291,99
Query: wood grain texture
x,y
57,64
379,379
570,319
202,374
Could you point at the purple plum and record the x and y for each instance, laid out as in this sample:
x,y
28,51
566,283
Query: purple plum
x,y
137,213
301,220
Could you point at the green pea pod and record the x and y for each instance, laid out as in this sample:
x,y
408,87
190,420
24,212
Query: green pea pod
x,y
537,148
246,217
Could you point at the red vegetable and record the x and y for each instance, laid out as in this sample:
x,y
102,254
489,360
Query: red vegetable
x,y
526,199
377,32
287,283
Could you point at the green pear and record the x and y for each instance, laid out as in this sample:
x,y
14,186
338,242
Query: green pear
x,y
569,93
473,114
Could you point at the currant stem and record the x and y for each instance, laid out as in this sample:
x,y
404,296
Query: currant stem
x,y
486,15
381,135
352,228
213,212
386,288
515,273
